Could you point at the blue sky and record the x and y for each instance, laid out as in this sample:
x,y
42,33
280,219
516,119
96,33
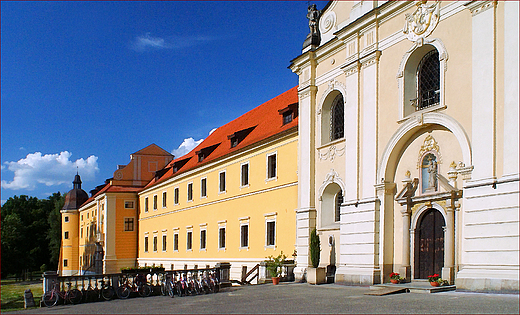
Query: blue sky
x,y
85,84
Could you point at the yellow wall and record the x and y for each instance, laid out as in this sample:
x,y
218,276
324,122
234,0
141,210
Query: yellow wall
x,y
260,201
70,245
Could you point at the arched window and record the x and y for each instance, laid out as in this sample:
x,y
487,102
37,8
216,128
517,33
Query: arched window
x,y
429,170
337,119
339,201
428,80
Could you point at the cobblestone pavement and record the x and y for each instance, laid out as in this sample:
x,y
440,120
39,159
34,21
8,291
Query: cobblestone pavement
x,y
300,298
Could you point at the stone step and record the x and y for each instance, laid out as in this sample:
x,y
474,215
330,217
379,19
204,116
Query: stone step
x,y
415,287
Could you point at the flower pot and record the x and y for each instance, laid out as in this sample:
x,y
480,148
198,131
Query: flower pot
x,y
316,275
394,281
434,284
276,280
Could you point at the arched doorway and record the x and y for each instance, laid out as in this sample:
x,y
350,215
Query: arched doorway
x,y
429,244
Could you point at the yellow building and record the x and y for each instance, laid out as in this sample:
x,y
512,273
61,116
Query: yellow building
x,y
100,232
231,199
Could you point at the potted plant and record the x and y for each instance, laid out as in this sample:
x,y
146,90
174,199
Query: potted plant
x,y
435,280
274,266
395,278
315,275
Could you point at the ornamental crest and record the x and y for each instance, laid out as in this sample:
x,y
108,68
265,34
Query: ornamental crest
x,y
423,21
429,145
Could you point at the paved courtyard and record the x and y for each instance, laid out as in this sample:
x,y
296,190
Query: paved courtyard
x,y
300,298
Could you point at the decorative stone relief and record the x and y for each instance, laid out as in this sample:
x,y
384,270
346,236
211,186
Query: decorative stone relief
x,y
429,144
118,175
332,177
327,21
331,153
422,21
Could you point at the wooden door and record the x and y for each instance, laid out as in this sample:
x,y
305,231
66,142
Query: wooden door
x,y
429,245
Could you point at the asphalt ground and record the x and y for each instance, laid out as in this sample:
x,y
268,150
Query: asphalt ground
x,y
299,298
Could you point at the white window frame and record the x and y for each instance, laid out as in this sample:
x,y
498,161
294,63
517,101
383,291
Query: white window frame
x,y
267,156
164,242
270,217
188,192
203,249
66,219
206,188
188,231
155,199
146,243
241,175
175,235
241,236
155,243
176,196
164,199
146,204
219,182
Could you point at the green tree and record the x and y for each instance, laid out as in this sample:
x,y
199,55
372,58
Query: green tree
x,y
54,231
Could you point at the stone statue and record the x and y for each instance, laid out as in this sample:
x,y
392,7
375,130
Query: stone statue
x,y
314,38
432,173
313,15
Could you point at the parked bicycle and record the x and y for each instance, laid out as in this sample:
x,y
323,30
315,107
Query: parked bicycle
x,y
52,297
139,285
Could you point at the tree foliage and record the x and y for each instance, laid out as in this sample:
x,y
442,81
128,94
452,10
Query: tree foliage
x,y
26,235
314,248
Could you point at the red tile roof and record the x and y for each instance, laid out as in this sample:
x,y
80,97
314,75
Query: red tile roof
x,y
265,119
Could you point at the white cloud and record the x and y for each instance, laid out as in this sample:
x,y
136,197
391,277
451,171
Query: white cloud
x,y
49,170
147,42
186,146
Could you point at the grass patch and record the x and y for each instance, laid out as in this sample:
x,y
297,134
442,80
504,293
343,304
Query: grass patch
x,y
13,294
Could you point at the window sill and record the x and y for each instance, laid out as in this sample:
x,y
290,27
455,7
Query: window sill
x,y
202,250
330,227
327,144
269,247
422,111
243,248
271,179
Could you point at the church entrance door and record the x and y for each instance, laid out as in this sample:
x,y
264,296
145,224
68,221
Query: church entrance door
x,y
429,245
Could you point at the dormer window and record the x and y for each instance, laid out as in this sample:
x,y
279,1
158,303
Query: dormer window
x,y
289,113
177,165
205,152
238,136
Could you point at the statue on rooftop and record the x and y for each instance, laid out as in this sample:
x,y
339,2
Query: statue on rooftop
x,y
314,38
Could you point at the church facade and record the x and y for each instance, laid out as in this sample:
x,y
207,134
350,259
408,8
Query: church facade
x,y
408,141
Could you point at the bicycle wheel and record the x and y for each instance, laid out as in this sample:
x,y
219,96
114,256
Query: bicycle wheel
x,y
170,289
50,298
145,290
123,292
74,296
178,287
107,293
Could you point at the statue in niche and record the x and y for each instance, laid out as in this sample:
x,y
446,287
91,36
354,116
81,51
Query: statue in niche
x,y
429,173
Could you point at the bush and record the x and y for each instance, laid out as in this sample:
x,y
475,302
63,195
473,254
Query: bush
x,y
314,248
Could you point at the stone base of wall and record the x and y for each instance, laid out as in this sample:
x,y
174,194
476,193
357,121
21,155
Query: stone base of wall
x,y
488,285
348,279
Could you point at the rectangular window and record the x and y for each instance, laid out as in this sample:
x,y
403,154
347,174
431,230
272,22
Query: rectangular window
x,y
222,237
203,239
65,263
146,204
270,233
146,244
164,199
66,235
129,224
271,166
176,196
155,243
129,204
66,219
81,233
190,191
244,235
164,243
222,182
176,241
203,188
155,202
189,237
244,176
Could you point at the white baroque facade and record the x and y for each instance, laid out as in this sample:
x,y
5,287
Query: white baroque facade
x,y
408,152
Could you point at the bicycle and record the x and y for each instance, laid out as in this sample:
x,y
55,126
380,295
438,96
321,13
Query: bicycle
x,y
107,291
139,285
51,298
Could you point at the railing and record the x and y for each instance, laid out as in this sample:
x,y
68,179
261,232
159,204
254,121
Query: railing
x,y
245,275
154,278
